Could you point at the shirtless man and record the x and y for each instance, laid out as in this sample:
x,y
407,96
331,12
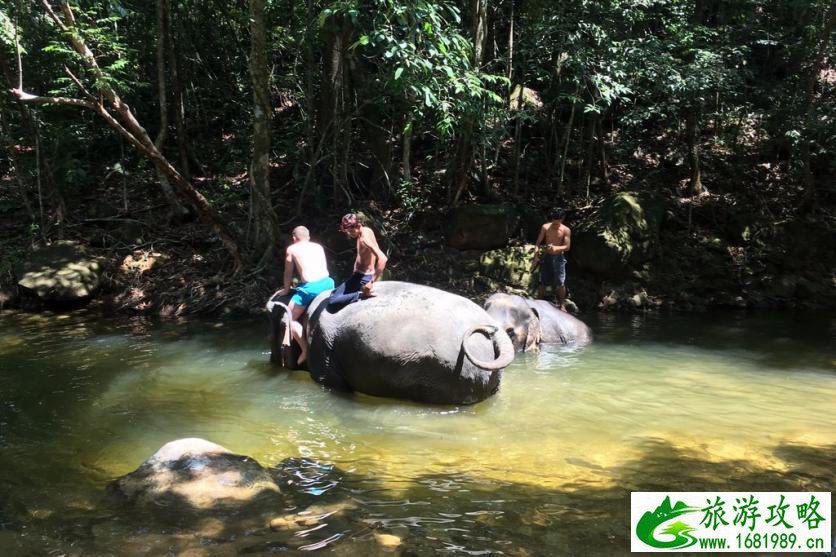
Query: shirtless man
x,y
558,240
308,259
368,265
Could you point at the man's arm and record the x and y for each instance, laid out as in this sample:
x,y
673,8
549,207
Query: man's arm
x,y
540,238
288,271
539,241
288,275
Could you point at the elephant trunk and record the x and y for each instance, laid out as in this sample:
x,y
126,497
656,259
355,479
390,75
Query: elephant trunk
x,y
286,311
275,308
501,343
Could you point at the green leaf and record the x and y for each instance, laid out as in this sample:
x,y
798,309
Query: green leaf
x,y
398,73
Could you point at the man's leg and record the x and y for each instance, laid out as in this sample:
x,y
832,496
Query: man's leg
x,y
291,305
347,292
298,332
545,276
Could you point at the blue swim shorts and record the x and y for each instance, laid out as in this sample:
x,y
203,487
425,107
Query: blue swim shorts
x,y
553,270
306,292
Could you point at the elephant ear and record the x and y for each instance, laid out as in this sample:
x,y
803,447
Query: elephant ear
x,y
533,332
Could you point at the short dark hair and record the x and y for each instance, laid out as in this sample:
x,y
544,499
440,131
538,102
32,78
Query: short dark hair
x,y
558,213
349,221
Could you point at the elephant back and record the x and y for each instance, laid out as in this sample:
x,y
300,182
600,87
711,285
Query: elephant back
x,y
407,342
558,326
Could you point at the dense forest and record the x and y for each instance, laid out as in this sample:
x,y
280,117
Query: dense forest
x,y
181,141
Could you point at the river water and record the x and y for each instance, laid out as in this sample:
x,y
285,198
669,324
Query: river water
x,y
726,402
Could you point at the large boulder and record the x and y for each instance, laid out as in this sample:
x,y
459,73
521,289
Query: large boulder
x,y
62,272
621,235
194,475
531,221
482,226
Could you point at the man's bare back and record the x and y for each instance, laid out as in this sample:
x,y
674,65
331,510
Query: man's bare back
x,y
309,261
367,250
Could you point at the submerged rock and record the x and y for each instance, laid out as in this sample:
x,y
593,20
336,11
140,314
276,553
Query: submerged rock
x,y
194,475
387,541
62,272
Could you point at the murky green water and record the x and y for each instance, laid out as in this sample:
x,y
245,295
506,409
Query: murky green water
x,y
687,403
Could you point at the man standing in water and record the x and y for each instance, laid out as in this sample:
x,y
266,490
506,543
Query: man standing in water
x,y
368,265
558,240
308,259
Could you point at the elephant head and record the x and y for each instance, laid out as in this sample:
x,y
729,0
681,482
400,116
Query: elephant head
x,y
517,318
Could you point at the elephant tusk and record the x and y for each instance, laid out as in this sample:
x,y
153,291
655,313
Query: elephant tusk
x,y
501,343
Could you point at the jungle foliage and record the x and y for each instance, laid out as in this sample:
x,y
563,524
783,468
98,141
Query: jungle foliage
x,y
409,103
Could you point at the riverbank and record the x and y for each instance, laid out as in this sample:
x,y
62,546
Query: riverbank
x,y
632,253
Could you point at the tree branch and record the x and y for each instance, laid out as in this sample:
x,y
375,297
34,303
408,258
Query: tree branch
x,y
28,98
78,83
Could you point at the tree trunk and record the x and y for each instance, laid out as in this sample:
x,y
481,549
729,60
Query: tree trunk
x,y
692,121
463,159
174,58
518,139
313,142
407,151
510,72
590,150
177,208
261,210
566,137
605,174
337,30
692,136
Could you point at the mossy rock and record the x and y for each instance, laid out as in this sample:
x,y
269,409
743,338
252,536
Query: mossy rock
x,y
621,235
62,272
510,266
482,226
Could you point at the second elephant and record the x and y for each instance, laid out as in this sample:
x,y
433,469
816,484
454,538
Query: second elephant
x,y
531,322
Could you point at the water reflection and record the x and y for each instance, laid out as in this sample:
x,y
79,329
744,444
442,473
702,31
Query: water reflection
x,y
674,402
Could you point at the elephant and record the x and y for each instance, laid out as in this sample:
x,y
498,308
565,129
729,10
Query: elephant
x,y
410,342
530,322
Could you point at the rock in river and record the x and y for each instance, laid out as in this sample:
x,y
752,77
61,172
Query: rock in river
x,y
195,475
62,272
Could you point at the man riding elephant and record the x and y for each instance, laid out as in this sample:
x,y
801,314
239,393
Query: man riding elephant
x,y
307,258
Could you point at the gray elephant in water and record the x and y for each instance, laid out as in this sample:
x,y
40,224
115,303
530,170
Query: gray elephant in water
x,y
531,322
409,341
